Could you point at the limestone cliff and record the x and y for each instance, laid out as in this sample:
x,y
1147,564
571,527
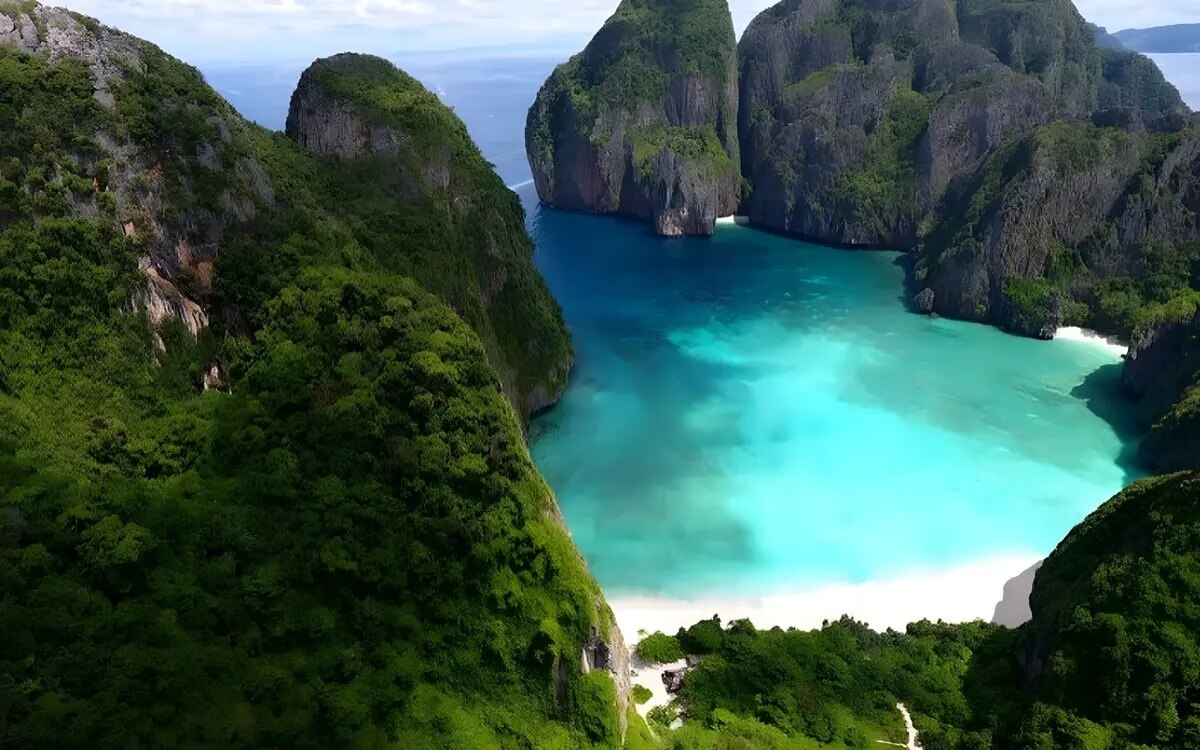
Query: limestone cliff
x,y
1161,373
367,114
643,122
858,118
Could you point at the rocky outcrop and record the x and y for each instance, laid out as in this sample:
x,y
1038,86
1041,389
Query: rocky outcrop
x,y
606,651
643,122
1044,192
924,300
328,116
858,119
1161,373
1012,611
371,117
144,183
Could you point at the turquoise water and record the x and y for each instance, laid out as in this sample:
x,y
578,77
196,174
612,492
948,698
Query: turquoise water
x,y
751,412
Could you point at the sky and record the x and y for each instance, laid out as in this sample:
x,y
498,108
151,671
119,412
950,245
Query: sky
x,y
202,31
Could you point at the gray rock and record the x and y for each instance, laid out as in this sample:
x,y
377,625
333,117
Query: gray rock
x,y
924,300
669,158
1013,611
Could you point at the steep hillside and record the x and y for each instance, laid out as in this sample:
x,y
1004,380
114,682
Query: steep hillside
x,y
1070,224
857,118
643,122
259,485
415,171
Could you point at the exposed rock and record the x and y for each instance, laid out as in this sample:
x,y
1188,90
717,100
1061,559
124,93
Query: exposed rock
x,y
673,680
1048,191
596,653
135,181
857,118
1012,611
161,300
924,300
643,122
606,650
216,379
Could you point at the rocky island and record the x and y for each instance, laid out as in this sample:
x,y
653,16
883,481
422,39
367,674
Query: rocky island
x,y
643,122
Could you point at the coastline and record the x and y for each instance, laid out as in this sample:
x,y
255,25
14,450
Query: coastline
x,y
1083,335
959,593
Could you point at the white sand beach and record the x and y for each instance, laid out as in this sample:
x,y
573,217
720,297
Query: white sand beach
x,y
651,677
961,593
1074,333
734,220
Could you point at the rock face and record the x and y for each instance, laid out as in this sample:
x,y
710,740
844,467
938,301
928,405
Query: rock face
x,y
857,118
643,122
1012,611
371,117
1160,372
135,193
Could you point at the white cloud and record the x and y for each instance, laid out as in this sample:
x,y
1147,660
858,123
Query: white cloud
x,y
209,30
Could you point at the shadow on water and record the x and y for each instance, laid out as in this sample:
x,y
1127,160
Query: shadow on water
x,y
1101,392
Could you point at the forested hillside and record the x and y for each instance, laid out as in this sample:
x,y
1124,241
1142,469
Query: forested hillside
x,y
260,485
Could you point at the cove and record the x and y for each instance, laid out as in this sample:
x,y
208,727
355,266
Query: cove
x,y
751,412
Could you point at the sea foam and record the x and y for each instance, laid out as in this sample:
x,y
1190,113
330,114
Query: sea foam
x,y
1074,333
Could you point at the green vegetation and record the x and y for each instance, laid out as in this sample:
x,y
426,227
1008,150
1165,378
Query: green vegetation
x,y
1111,660
838,687
619,85
692,35
457,254
1043,38
643,47
1133,80
641,694
814,81
350,548
699,146
886,187
659,648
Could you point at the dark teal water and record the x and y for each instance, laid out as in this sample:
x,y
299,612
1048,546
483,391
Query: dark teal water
x,y
749,412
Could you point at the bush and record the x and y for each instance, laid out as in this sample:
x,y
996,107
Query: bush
x,y
662,715
659,648
641,694
705,637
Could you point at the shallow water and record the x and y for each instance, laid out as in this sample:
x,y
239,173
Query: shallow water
x,y
750,413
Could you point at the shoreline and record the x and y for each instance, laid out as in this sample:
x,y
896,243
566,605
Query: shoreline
x,y
958,593
1083,335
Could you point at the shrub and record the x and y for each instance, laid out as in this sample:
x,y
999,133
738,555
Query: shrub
x,y
641,694
659,648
